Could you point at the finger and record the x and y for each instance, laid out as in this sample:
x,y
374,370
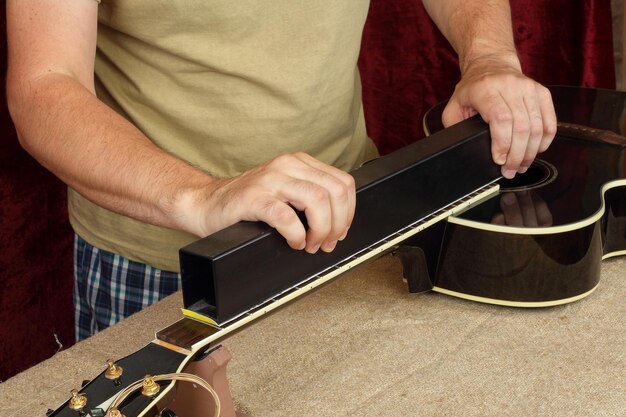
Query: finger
x,y
451,113
319,218
499,219
342,193
284,219
544,216
548,115
511,210
527,209
495,111
317,189
482,98
520,133
455,113
536,132
278,211
314,201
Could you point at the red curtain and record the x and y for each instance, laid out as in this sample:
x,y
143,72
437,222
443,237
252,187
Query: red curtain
x,y
406,67
35,260
36,315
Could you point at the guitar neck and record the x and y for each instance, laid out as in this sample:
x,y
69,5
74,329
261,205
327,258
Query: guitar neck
x,y
197,333
238,275
183,340
240,270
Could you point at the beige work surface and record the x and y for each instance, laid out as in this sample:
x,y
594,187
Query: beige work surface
x,y
364,346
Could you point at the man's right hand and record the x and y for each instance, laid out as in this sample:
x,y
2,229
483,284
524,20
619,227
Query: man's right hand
x,y
272,193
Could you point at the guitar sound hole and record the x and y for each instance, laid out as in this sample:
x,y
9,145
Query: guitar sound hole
x,y
539,174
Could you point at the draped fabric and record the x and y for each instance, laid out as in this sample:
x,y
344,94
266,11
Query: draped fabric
x,y
406,67
36,316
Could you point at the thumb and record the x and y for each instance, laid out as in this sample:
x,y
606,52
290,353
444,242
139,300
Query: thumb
x,y
452,114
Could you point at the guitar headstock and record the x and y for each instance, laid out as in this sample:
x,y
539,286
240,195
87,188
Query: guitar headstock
x,y
95,397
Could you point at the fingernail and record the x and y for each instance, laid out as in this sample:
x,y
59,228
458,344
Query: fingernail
x,y
329,246
342,237
508,173
522,169
500,160
313,250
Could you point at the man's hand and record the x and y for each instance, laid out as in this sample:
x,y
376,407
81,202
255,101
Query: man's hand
x,y
519,111
272,193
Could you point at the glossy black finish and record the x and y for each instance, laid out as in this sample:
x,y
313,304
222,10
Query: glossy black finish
x,y
614,221
419,256
520,268
563,195
226,274
574,193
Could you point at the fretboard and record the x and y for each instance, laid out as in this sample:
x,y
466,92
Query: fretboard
x,y
248,267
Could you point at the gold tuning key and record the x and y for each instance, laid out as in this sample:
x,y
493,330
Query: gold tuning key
x,y
150,387
78,400
113,371
114,412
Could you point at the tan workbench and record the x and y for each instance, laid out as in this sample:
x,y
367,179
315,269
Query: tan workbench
x,y
364,346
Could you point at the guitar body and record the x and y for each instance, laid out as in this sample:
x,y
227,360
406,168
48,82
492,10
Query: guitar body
x,y
540,241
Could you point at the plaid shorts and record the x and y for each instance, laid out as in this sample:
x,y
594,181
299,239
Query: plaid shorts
x,y
109,287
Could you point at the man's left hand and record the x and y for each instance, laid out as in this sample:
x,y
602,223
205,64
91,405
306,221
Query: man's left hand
x,y
519,110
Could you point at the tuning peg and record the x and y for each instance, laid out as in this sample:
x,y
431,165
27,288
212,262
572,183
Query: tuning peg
x,y
113,371
78,401
150,387
114,412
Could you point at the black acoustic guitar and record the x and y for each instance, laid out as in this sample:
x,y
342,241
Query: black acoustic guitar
x,y
540,240
437,205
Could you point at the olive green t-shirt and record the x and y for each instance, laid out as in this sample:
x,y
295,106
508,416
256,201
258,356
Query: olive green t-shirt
x,y
226,85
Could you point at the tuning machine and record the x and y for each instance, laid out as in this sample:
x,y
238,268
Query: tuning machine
x,y
114,371
114,412
149,387
78,400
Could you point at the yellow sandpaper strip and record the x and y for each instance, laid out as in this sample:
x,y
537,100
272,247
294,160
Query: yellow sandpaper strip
x,y
199,317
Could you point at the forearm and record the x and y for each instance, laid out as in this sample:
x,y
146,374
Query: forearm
x,y
476,29
99,153
52,46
